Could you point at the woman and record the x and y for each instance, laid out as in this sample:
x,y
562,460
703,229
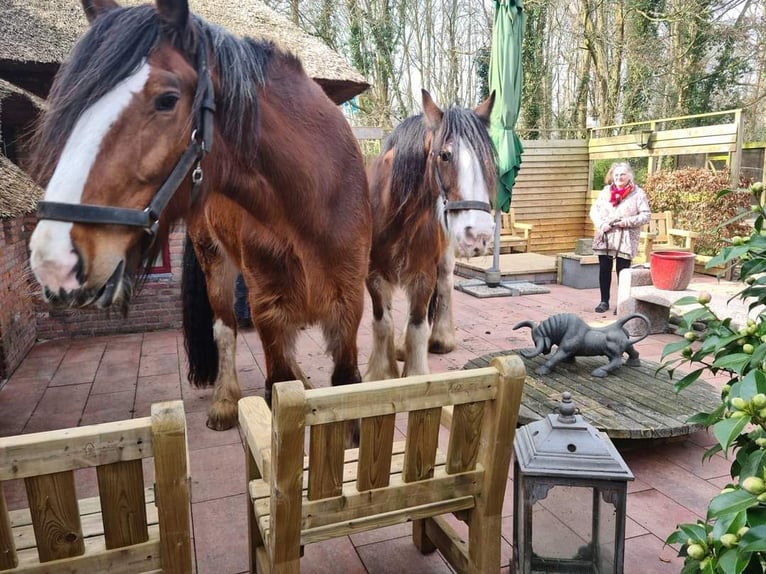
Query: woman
x,y
618,214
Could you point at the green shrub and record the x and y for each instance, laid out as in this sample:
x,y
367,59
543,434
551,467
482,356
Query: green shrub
x,y
691,194
732,538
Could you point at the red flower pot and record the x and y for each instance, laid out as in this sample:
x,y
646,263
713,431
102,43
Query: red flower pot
x,y
671,270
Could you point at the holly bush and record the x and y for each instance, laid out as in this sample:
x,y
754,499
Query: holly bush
x,y
732,538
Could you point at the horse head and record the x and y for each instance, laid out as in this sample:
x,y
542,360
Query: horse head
x,y
462,166
126,126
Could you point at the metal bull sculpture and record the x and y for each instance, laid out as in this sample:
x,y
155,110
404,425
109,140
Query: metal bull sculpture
x,y
573,337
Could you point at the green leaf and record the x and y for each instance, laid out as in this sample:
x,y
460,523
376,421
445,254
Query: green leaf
x,y
754,464
688,300
730,523
687,380
756,516
727,430
694,532
748,386
754,540
733,361
677,537
731,502
731,562
671,348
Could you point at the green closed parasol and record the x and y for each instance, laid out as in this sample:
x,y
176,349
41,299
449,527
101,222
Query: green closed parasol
x,y
505,79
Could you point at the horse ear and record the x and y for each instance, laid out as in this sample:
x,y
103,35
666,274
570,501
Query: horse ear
x,y
431,112
484,109
174,13
93,8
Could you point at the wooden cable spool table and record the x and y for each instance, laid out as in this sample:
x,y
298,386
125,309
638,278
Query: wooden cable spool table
x,y
631,403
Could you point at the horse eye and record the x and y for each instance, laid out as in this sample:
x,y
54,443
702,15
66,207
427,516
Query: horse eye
x,y
166,102
445,156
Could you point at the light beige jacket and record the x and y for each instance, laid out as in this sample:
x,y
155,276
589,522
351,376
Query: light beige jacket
x,y
634,211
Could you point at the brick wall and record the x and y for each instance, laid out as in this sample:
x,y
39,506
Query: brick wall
x,y
155,307
17,307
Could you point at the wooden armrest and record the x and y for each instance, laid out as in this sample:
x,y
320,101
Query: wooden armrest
x,y
527,226
683,233
648,235
255,422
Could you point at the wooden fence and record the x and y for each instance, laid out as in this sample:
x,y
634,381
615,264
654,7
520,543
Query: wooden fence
x,y
551,193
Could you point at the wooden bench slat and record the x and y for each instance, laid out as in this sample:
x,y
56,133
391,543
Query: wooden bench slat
x,y
121,490
365,523
143,558
69,449
463,448
326,449
398,395
55,516
376,441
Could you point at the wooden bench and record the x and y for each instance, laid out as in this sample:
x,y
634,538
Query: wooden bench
x,y
661,235
296,500
514,236
127,528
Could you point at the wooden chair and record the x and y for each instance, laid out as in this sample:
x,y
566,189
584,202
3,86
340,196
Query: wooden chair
x,y
126,528
335,492
514,236
660,235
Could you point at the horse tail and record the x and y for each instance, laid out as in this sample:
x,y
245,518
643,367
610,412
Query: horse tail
x,y
201,349
621,322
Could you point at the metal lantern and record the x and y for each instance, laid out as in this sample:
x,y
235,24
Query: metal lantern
x,y
569,497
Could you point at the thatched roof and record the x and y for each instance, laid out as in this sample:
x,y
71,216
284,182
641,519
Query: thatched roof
x,y
44,31
18,193
9,91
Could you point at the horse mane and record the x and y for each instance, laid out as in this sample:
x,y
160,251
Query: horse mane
x,y
116,44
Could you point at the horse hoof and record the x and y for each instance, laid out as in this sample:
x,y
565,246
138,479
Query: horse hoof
x,y
633,362
440,347
600,373
542,370
222,416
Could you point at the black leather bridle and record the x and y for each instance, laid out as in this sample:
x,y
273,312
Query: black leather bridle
x,y
461,205
148,218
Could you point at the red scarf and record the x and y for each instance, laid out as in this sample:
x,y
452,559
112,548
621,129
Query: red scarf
x,y
618,195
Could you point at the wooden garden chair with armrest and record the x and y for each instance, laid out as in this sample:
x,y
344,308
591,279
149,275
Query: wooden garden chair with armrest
x,y
514,236
127,528
660,235
334,492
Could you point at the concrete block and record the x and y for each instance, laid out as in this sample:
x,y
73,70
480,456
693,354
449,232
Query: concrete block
x,y
578,271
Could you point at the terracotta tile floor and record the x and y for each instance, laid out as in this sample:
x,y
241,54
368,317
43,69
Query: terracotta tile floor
x,y
81,381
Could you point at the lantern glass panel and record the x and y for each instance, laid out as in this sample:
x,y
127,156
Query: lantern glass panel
x,y
562,525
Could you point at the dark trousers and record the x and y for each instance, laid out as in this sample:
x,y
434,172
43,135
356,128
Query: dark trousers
x,y
605,273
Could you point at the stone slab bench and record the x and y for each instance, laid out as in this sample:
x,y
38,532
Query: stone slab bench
x,y
636,294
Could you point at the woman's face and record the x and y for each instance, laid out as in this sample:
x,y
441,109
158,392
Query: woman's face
x,y
621,177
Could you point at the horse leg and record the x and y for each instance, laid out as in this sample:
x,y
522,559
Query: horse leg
x,y
442,338
382,363
418,327
279,352
220,274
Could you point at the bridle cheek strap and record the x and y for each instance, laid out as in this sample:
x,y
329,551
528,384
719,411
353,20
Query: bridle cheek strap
x,y
460,205
148,218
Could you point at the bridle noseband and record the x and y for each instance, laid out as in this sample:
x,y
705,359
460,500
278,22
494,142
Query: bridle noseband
x,y
461,205
148,218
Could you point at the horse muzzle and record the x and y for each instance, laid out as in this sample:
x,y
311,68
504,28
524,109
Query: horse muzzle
x,y
113,292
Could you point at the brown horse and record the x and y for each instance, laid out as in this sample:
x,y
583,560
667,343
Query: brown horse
x,y
149,100
431,188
